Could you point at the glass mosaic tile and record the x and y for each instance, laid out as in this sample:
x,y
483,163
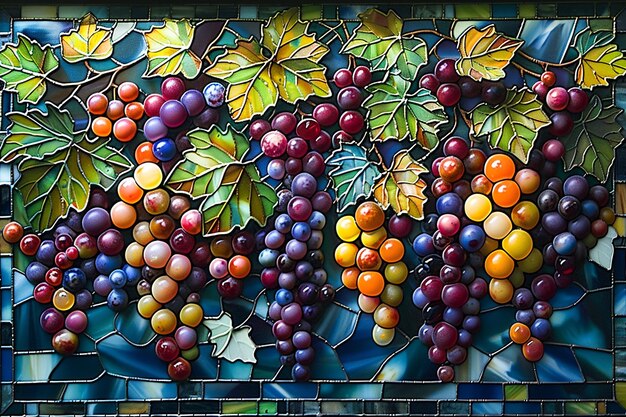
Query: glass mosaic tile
x,y
328,209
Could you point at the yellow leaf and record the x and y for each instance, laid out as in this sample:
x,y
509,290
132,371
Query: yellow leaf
x,y
169,50
485,53
600,64
401,187
283,64
89,41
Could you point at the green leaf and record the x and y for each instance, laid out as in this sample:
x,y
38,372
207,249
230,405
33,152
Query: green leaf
x,y
231,188
353,175
379,40
36,134
592,142
230,343
25,66
512,126
284,64
396,114
169,50
602,253
588,39
53,180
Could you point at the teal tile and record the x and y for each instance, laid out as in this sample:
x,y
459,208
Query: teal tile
x,y
248,12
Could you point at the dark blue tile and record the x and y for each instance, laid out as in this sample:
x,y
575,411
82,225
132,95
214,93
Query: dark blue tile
x,y
569,391
504,10
481,392
522,407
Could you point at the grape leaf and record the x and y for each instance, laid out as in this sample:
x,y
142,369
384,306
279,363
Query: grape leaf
x,y
401,187
600,60
57,165
353,175
485,53
24,68
37,135
394,113
89,41
284,64
169,50
602,253
379,40
230,343
231,188
592,142
512,126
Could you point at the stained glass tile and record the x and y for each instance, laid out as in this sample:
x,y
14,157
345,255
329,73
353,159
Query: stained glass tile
x,y
487,409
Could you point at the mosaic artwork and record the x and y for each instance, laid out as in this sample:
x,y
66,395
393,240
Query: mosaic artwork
x,y
315,210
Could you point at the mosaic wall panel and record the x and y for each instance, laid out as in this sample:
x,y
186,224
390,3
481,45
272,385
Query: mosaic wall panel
x,y
318,210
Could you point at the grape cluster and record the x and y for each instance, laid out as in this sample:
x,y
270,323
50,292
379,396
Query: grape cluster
x,y
450,254
573,216
291,245
564,105
367,250
446,84
171,115
231,264
119,117
66,263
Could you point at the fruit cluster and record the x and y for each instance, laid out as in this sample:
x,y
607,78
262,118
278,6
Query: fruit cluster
x,y
230,264
449,88
564,105
291,244
119,117
367,250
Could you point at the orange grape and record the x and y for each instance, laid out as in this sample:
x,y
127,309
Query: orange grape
x,y
115,110
124,129
134,110
143,153
101,126
519,333
129,191
498,264
239,266
392,250
369,216
128,91
506,193
371,283
499,167
349,277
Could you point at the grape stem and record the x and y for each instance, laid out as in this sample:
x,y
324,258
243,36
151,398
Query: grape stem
x,y
431,31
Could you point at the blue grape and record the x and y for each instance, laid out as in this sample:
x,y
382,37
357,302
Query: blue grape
x,y
106,264
214,94
267,257
423,245
472,238
133,275
317,221
301,231
283,223
164,149
450,203
274,239
118,278
541,329
284,297
74,279
117,300
564,243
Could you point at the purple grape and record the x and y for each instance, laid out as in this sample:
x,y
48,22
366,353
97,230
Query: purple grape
x,y
544,287
429,82
276,169
569,207
284,122
349,98
214,94
301,339
287,280
321,201
207,118
284,347
471,307
542,309
555,184
46,253
554,223
445,71
600,195
465,338
308,293
95,221
426,334
313,163
576,186
173,113
193,100
526,317
541,329
523,299
282,330
469,87
455,295
471,323
432,312
110,242
562,123
319,277
296,249
274,239
304,184
300,372
453,316
548,201
36,272
493,93
444,335
456,355
297,147
154,129
291,314
304,270
299,209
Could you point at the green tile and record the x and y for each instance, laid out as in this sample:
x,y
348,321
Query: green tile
x,y
527,10
248,12
330,11
179,12
206,12
268,408
546,10
601,24
159,12
36,12
473,11
311,11
580,408
239,407
428,11
134,407
515,392
620,393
